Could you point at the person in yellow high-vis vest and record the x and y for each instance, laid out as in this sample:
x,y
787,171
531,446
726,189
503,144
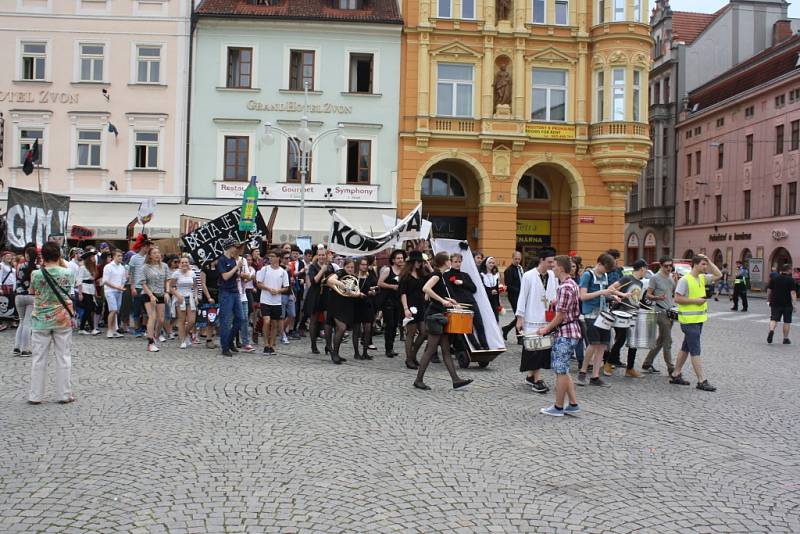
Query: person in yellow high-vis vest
x,y
690,295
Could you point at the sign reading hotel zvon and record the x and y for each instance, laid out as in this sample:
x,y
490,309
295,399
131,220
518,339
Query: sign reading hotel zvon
x,y
284,191
297,107
550,131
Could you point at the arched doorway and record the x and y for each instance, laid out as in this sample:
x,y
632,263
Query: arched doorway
x,y
717,258
450,194
688,255
745,257
543,209
632,249
780,257
650,248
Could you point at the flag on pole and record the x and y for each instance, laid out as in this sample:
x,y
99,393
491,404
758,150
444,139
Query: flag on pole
x,y
31,157
113,129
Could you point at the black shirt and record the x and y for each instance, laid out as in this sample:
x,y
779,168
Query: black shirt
x,y
461,292
781,288
411,287
439,288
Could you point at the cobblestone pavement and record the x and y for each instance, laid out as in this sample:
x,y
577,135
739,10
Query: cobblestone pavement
x,y
188,441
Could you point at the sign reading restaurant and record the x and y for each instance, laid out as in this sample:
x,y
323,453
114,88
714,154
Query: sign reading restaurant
x,y
284,191
297,107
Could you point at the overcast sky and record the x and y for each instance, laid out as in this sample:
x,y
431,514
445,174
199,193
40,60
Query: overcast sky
x,y
709,6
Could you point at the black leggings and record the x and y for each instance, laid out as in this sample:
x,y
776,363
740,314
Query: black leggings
x,y
360,329
391,318
434,342
620,336
87,323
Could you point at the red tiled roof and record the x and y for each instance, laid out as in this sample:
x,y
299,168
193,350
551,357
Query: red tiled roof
x,y
687,25
772,63
374,11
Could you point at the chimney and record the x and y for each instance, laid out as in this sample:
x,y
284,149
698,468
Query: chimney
x,y
781,30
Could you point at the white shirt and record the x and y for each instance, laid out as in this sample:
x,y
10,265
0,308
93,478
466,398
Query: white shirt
x,y
114,274
275,279
245,269
8,276
534,298
88,287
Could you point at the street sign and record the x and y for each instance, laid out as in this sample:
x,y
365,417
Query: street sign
x,y
756,266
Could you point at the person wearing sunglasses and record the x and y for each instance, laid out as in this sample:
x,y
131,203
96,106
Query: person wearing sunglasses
x,y
660,292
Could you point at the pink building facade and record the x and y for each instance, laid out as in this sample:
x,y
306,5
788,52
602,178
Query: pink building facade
x,y
102,85
739,163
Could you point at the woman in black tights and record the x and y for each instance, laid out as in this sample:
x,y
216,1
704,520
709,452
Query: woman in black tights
x,y
365,309
317,296
412,278
341,308
438,293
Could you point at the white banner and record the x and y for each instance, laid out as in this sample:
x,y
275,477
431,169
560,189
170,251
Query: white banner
x,y
345,239
492,330
326,193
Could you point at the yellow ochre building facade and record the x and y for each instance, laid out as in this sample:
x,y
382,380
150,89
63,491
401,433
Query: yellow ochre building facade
x,y
523,123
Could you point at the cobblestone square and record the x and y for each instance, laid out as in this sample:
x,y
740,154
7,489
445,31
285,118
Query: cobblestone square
x,y
188,441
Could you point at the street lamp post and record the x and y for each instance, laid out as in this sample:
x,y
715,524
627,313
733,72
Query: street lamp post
x,y
304,147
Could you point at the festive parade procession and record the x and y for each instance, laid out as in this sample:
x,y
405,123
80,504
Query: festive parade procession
x,y
482,210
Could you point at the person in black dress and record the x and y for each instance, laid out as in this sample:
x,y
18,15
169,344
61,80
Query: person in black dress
x,y
438,293
389,283
365,309
491,283
462,288
341,308
412,278
316,297
512,277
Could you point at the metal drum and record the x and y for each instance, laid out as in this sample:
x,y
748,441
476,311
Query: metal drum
x,y
533,342
643,333
622,319
604,321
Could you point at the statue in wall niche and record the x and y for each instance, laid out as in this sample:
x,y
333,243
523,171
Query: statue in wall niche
x,y
503,9
502,87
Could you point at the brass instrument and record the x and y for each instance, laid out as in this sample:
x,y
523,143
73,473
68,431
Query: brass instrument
x,y
350,286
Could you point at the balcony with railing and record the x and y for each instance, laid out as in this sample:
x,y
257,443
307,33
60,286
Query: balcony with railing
x,y
605,130
454,125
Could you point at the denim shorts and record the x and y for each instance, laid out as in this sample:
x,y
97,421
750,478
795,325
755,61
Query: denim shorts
x,y
288,306
113,299
691,338
562,352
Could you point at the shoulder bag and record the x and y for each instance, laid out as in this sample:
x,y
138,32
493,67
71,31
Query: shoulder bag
x,y
58,290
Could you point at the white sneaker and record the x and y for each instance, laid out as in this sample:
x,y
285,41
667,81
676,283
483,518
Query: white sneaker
x,y
161,338
95,332
110,334
117,334
284,340
173,336
83,332
183,345
152,348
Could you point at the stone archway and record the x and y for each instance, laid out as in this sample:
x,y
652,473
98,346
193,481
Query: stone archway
x,y
779,257
478,171
450,191
570,174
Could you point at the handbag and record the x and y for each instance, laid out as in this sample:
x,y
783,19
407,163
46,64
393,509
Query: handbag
x,y
57,289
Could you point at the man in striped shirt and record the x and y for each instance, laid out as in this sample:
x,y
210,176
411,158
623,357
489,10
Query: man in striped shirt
x,y
567,336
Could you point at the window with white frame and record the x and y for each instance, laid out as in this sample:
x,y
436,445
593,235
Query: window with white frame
x,y
89,143
549,95
34,59
467,9
601,11
637,10
618,94
637,92
445,9
361,72
619,10
442,184
532,188
27,138
539,12
601,96
92,58
145,150
148,64
359,161
454,90
562,12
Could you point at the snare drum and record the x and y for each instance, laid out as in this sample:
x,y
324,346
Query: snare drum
x,y
534,342
622,319
604,321
459,321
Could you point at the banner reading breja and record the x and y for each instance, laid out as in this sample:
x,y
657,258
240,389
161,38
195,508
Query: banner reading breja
x,y
346,239
205,243
34,217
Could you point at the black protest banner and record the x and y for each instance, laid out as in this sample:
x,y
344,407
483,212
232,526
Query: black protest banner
x,y
33,217
346,239
205,243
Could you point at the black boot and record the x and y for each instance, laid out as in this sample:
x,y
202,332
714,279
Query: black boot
x,y
336,359
314,349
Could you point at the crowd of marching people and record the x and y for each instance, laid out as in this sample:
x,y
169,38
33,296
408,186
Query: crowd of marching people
x,y
283,295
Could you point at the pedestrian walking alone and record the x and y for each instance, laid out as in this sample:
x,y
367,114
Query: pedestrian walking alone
x,y
51,324
782,297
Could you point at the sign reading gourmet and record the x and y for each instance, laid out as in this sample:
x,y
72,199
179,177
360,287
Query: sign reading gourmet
x,y
285,191
33,217
345,239
205,243
297,107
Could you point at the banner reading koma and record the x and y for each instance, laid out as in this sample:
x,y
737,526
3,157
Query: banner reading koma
x,y
346,239
205,243
32,217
